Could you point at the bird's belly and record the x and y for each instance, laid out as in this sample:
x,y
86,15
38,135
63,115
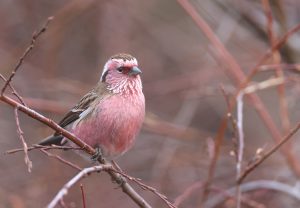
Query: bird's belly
x,y
114,133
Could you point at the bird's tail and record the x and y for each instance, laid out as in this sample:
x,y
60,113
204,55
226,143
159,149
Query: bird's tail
x,y
53,139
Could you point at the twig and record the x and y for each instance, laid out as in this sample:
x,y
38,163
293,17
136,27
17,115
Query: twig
x,y
83,196
269,53
269,67
83,173
240,144
232,120
252,166
285,121
245,200
255,185
42,147
25,147
62,203
35,36
149,188
118,170
61,159
14,92
197,185
187,192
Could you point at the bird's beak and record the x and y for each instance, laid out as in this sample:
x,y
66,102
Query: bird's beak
x,y
134,71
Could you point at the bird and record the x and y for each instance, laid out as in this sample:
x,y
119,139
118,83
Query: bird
x,y
109,117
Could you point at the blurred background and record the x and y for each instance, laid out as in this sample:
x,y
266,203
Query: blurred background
x,y
182,77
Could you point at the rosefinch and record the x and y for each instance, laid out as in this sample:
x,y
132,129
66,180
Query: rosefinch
x,y
110,115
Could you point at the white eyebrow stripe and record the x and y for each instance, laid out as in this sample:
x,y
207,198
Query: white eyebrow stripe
x,y
126,61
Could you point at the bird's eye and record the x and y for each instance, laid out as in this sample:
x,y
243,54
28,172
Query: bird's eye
x,y
120,69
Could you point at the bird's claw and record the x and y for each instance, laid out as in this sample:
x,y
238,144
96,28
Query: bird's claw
x,y
98,155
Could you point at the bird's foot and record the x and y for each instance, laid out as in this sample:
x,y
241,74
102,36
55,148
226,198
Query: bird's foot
x,y
98,155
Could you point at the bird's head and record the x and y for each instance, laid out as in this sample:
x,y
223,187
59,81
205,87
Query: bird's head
x,y
121,73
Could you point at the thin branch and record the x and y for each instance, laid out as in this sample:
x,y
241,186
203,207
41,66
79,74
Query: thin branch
x,y
14,92
187,192
232,120
35,36
284,115
272,67
83,196
149,188
62,203
21,136
268,54
252,166
118,170
199,184
241,144
61,159
64,190
255,185
42,147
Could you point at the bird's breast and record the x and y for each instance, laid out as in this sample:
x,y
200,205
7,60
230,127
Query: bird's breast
x,y
114,124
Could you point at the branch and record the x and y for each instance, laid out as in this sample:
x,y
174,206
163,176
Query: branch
x,y
74,180
35,36
255,185
83,196
14,92
25,147
241,144
252,166
36,146
61,159
149,188
197,185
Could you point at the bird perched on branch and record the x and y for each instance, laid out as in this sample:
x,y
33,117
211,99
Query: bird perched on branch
x,y
110,116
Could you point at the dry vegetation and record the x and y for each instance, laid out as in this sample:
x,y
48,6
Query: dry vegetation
x,y
222,86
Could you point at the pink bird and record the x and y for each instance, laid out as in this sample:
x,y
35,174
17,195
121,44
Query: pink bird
x,y
110,116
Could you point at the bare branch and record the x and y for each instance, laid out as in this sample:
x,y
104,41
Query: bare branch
x,y
61,159
83,196
276,57
149,188
187,192
35,36
36,146
252,166
74,180
241,144
252,186
25,147
118,170
14,92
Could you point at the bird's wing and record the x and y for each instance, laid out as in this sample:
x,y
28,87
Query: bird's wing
x,y
99,92
70,117
74,114
82,105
